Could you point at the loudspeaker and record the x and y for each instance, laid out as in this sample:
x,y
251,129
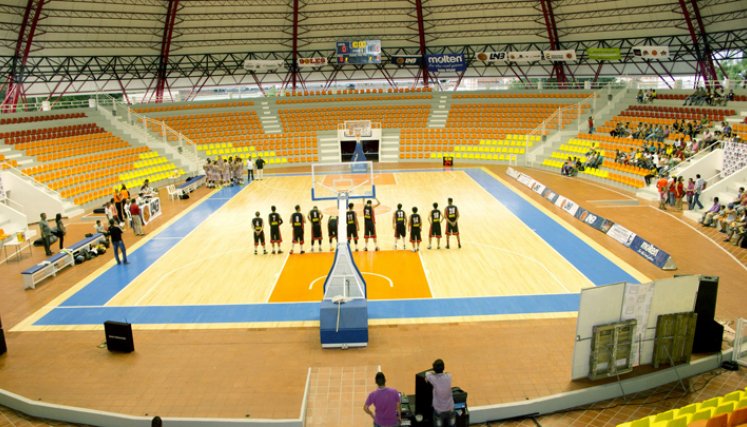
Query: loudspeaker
x,y
3,347
705,303
708,332
423,398
119,336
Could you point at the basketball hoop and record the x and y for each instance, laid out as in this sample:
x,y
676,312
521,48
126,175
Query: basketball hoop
x,y
357,135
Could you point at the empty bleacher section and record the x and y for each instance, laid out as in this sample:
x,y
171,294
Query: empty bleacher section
x,y
40,118
729,410
141,109
240,133
474,144
83,161
353,98
398,116
688,113
518,118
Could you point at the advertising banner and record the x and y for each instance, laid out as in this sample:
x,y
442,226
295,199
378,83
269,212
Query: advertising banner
x,y
649,251
621,234
446,62
406,60
559,55
528,56
264,64
491,57
316,61
651,52
550,195
604,53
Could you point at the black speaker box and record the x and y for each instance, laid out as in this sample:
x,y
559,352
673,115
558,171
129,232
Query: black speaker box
x,y
705,303
119,337
708,332
423,398
3,347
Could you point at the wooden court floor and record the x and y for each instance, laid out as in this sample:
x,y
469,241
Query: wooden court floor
x,y
219,372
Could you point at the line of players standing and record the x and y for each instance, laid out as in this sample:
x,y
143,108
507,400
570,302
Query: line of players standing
x,y
400,222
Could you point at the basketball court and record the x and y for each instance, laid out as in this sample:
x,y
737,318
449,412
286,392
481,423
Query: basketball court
x,y
199,270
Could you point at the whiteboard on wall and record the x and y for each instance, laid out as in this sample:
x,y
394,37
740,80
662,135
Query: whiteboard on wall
x,y
597,306
604,304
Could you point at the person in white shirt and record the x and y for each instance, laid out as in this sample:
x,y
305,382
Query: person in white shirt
x,y
249,169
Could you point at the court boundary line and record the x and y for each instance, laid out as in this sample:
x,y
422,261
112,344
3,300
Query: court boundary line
x,y
632,271
433,300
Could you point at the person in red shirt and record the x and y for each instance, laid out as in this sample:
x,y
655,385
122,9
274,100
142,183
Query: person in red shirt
x,y
679,193
137,220
663,187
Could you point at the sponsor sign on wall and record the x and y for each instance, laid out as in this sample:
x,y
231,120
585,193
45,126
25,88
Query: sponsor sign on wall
x,y
263,65
527,56
491,57
651,52
406,60
316,61
559,55
446,62
604,53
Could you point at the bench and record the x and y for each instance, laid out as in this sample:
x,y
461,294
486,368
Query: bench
x,y
191,185
47,268
88,243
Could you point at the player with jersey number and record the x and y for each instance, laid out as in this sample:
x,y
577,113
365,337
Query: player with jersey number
x,y
451,213
435,230
259,233
332,230
315,218
416,225
399,223
351,219
297,221
369,224
275,222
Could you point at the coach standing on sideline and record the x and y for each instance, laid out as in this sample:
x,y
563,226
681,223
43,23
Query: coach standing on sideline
x,y
249,169
260,167
116,235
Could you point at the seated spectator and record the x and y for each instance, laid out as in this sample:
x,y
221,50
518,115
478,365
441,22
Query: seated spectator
x,y
639,96
726,129
569,168
707,218
740,196
725,217
729,96
737,227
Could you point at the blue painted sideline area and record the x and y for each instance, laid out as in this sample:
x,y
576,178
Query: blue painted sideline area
x,y
86,307
586,259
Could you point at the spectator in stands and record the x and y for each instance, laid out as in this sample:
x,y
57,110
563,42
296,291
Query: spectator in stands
x,y
699,187
386,402
591,124
568,168
729,97
639,96
690,191
737,226
443,399
707,218
260,163
726,129
679,193
717,97
59,230
45,232
725,217
653,172
137,218
652,95
662,185
115,232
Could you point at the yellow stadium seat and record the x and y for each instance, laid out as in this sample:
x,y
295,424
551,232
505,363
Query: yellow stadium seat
x,y
643,422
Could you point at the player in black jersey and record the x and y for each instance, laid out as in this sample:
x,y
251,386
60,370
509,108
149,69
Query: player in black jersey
x,y
451,213
275,223
315,218
259,233
332,230
399,223
435,231
416,225
351,219
369,224
297,221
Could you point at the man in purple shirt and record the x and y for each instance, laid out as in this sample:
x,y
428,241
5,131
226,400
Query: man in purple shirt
x,y
386,402
443,400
